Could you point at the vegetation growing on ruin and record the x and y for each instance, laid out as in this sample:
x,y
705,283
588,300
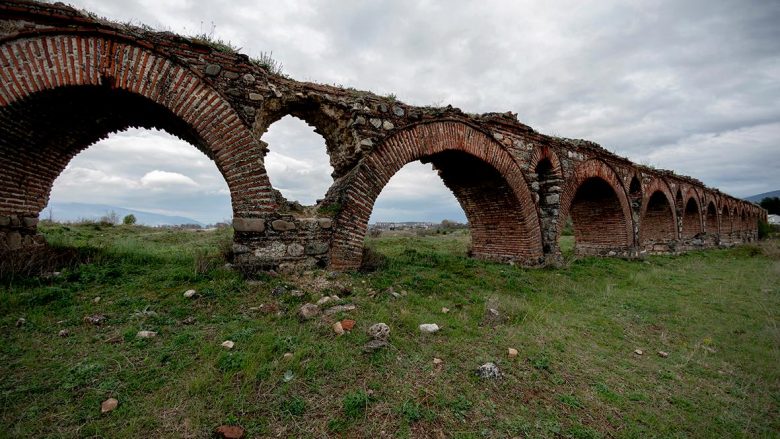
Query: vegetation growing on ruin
x,y
576,329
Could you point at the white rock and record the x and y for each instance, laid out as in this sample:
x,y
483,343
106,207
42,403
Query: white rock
x,y
489,370
324,300
663,354
512,352
429,328
96,299
639,352
227,344
190,294
288,355
437,361
338,329
445,310
63,333
146,334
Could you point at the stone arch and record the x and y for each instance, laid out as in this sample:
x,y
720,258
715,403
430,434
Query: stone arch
x,y
480,172
691,218
600,210
711,219
116,84
635,192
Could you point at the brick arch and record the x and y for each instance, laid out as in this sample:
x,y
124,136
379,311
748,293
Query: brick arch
x,y
479,171
544,152
115,84
595,236
691,214
658,217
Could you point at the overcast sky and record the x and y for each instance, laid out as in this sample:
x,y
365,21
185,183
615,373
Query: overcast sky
x,y
692,86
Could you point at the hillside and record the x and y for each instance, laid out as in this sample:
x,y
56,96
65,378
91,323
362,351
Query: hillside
x,y
72,212
759,197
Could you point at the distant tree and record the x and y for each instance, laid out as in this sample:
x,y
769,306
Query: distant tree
x,y
129,219
772,205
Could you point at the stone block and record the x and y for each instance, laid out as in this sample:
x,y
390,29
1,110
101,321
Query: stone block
x,y
295,249
325,223
316,248
249,224
29,222
14,240
213,69
5,220
282,225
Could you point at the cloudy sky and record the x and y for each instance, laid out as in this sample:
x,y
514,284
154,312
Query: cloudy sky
x,y
692,86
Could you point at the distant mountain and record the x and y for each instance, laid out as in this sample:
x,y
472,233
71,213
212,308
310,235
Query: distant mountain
x,y
65,212
759,197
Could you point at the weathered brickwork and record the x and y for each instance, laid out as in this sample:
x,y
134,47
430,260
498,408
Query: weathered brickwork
x,y
69,79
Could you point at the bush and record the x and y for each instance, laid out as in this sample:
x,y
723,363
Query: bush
x,y
372,260
129,219
764,230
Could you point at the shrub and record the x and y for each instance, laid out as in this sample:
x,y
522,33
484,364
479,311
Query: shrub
x,y
109,219
764,230
129,219
372,260
267,61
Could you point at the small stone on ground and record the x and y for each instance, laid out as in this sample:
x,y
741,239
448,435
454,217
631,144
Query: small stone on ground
x,y
229,432
227,344
146,334
379,331
429,328
374,345
512,352
347,324
338,329
489,371
339,308
108,405
639,352
308,311
445,310
63,333
189,294
663,354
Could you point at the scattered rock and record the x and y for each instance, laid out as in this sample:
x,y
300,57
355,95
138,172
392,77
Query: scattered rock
x,y
227,344
429,328
297,293
96,299
63,333
338,329
108,405
374,345
96,319
391,291
489,371
287,355
324,300
308,311
229,432
339,308
445,310
189,294
278,290
663,354
20,322
639,352
492,317
347,324
437,361
189,320
146,334
512,352
379,331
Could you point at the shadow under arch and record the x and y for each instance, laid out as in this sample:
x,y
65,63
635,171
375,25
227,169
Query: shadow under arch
x,y
480,173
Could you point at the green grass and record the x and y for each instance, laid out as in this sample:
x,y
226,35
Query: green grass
x,y
576,327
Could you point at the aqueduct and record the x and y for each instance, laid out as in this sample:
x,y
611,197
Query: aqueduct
x,y
69,78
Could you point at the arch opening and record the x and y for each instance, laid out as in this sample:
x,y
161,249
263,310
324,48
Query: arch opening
x,y
297,162
496,201
726,223
46,130
691,224
658,221
598,219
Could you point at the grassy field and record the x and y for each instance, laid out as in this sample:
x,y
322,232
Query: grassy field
x,y
576,329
